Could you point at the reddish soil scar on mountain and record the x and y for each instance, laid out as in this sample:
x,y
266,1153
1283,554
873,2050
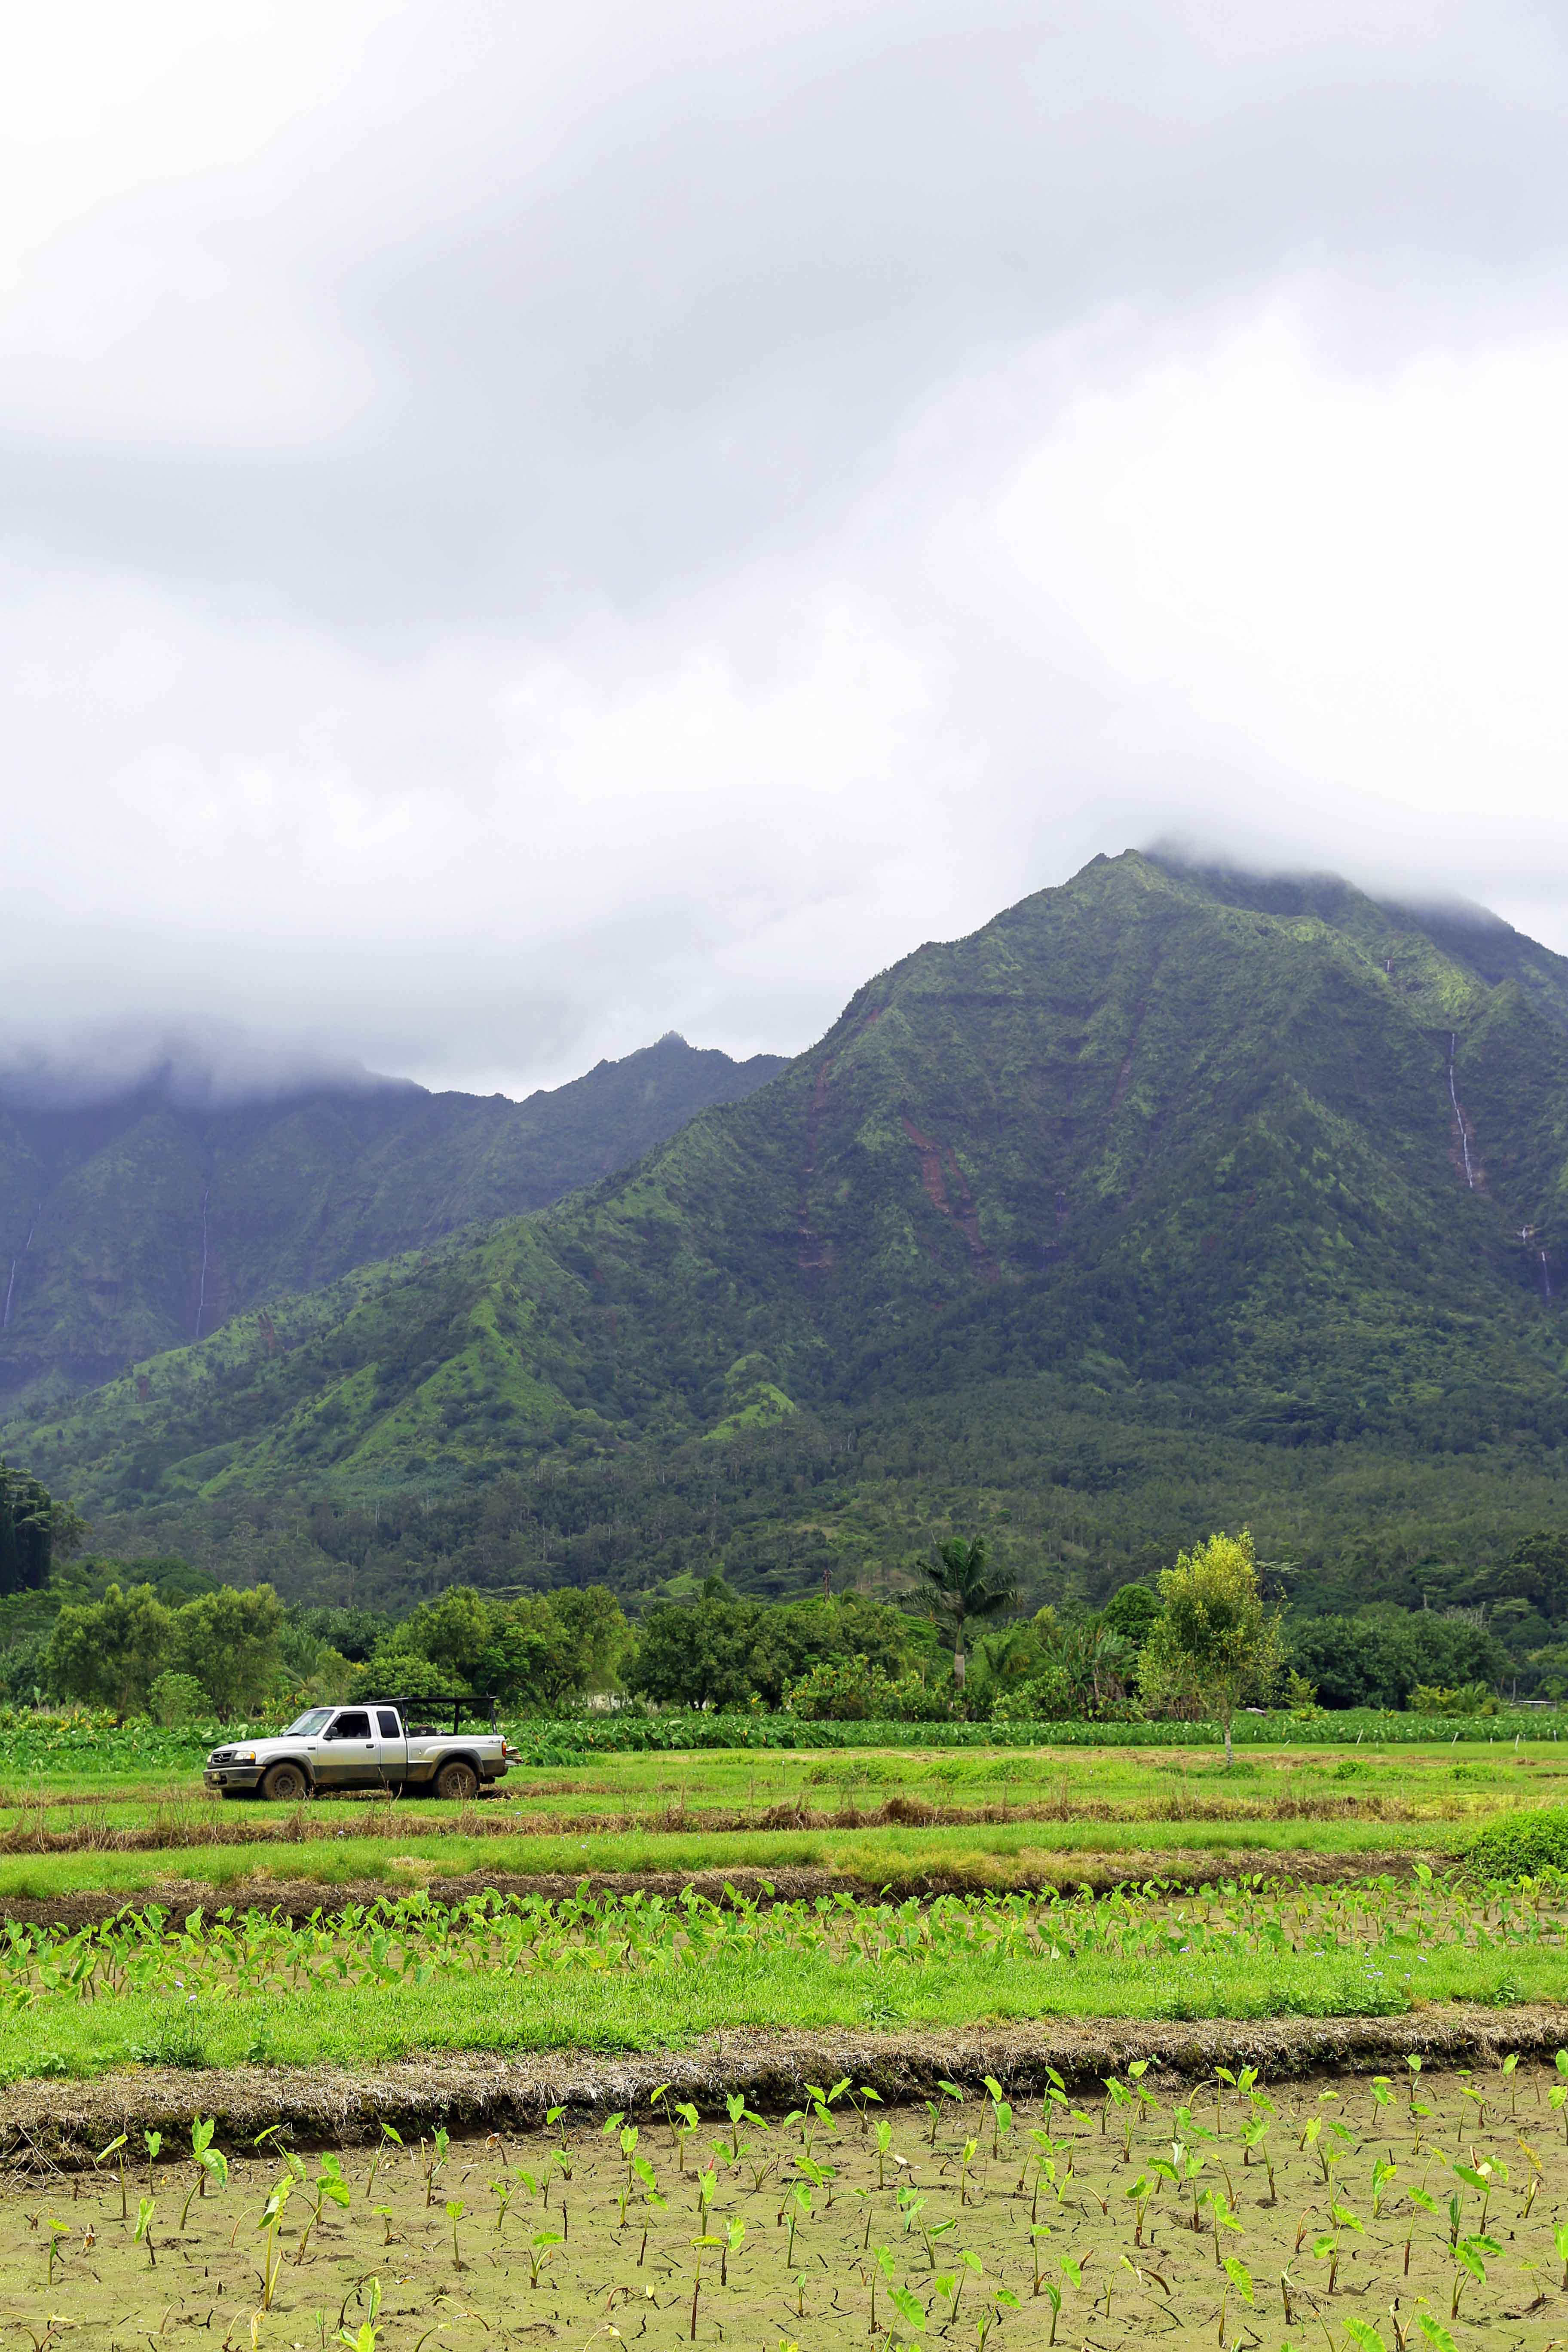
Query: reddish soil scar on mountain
x,y
933,1178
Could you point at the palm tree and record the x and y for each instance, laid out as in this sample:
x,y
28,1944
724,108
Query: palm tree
x,y
960,1590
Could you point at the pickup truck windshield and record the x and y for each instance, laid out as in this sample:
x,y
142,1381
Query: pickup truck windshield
x,y
304,1725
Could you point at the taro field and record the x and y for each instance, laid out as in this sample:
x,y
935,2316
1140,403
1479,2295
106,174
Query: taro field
x,y
1417,2208
511,1973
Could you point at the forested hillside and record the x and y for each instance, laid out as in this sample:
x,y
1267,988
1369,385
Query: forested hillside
x,y
1166,1199
134,1224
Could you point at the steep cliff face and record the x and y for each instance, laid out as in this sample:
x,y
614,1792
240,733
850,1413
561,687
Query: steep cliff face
x,y
137,1224
1283,1163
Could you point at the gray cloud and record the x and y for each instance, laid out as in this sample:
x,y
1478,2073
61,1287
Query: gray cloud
x,y
513,534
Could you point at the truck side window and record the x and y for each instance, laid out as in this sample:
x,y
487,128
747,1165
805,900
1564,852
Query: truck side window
x,y
351,1726
391,1729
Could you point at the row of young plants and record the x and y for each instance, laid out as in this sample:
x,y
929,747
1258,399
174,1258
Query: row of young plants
x,y
629,1732
411,1939
1383,2215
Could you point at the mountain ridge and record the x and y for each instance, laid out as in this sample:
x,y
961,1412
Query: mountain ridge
x,y
132,1223
1130,1150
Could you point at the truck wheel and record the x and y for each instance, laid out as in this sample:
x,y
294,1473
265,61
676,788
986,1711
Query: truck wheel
x,y
456,1782
285,1784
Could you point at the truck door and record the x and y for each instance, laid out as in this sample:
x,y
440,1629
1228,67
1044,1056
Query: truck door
x,y
393,1747
347,1758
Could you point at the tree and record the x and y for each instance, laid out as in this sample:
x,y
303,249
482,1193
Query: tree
x,y
1130,1610
960,1591
592,1619
228,1640
394,1673
450,1630
1379,1656
1213,1636
110,1651
698,1656
725,1651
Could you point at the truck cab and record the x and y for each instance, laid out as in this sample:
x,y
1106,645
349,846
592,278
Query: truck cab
x,y
389,1744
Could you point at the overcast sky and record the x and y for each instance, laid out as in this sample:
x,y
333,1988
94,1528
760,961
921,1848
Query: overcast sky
x,y
526,526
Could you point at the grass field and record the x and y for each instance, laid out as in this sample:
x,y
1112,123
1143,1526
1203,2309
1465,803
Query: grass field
x,y
894,1818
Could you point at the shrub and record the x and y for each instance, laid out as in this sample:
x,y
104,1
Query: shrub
x,y
853,1690
177,1700
1470,1698
1522,1846
840,1690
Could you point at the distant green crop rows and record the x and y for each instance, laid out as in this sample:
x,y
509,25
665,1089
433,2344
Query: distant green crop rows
x,y
626,1733
78,1743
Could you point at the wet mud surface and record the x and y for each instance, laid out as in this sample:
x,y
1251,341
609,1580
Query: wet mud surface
x,y
1318,2203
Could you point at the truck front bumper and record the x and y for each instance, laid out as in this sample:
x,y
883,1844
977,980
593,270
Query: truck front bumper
x,y
233,1776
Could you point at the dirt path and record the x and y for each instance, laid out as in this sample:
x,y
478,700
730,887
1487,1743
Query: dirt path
x,y
296,1898
63,2122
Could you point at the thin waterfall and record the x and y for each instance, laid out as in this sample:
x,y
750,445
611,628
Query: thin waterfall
x,y
1458,1114
16,1262
202,1290
1545,1274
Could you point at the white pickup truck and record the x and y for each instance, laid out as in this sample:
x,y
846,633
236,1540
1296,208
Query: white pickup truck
x,y
378,1744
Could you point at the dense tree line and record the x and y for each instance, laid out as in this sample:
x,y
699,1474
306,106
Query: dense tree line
x,y
160,1631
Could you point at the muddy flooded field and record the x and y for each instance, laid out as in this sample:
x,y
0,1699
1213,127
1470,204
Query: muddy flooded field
x,y
1409,2209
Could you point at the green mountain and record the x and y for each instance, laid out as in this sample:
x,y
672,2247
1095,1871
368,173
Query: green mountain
x,y
132,1225
1168,1198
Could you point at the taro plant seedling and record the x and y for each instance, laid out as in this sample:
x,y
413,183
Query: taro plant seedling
x,y
330,2189
1001,2299
1239,2276
1001,2114
701,2246
1223,2216
1481,2177
1469,2264
739,2113
210,2162
388,2136
1509,2068
271,2216
949,2284
910,2308
117,2148
540,2246
1420,2202
1557,2097
797,2209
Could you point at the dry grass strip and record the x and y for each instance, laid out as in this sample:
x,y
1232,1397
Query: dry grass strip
x,y
63,2122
